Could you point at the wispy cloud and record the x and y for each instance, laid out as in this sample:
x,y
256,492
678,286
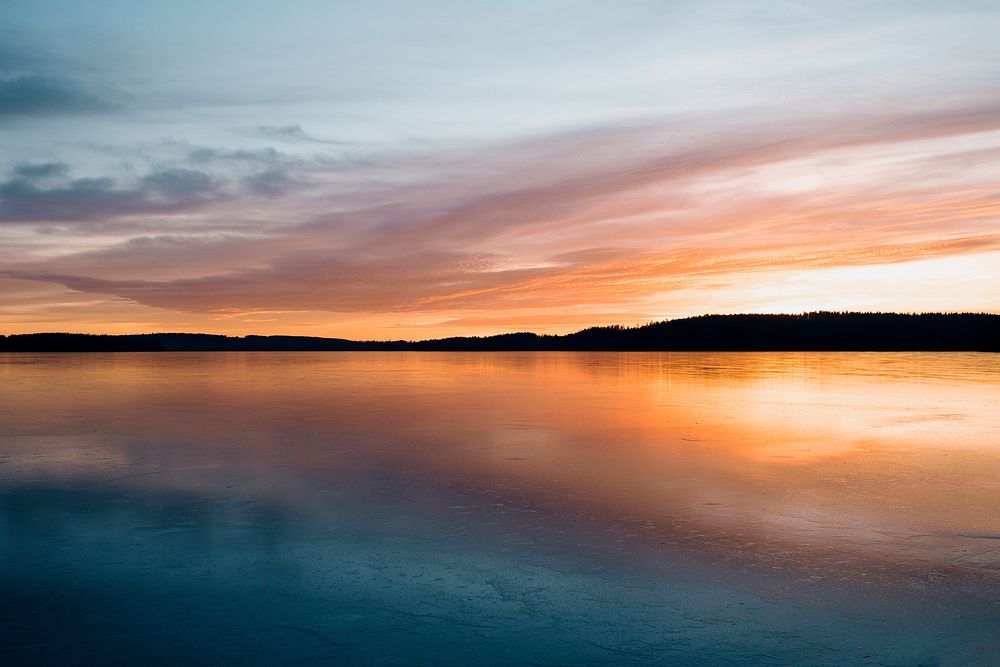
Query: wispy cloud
x,y
40,193
35,94
292,133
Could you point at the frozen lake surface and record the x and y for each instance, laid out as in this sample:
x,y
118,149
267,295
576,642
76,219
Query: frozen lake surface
x,y
500,508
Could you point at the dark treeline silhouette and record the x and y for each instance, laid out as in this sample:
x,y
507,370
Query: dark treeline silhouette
x,y
810,331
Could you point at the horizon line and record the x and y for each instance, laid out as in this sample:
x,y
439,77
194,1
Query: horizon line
x,y
621,327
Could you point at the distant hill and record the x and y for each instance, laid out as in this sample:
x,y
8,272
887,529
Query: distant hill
x,y
810,331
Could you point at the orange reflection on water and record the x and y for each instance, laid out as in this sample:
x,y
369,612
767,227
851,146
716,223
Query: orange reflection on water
x,y
889,455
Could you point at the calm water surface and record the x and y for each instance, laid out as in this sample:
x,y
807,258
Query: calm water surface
x,y
500,508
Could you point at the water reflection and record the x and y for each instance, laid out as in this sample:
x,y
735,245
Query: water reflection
x,y
563,508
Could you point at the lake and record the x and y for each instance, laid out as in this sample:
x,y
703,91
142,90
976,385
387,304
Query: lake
x,y
500,508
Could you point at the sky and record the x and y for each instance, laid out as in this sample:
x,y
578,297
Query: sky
x,y
387,170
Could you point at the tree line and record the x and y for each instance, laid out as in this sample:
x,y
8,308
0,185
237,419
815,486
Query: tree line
x,y
819,331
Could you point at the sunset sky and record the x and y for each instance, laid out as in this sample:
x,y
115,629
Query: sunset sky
x,y
423,169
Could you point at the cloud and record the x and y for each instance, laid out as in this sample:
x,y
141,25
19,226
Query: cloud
x,y
41,170
292,133
179,184
34,94
271,182
31,195
283,132
266,156
336,282
275,177
441,281
569,180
